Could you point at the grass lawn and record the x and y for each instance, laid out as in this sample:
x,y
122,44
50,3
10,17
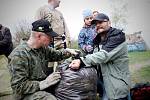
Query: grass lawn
x,y
138,57
139,63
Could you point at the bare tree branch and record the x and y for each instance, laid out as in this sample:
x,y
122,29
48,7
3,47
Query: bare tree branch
x,y
22,31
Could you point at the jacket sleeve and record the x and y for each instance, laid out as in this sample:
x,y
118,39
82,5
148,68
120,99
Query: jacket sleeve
x,y
81,40
57,55
19,70
102,56
7,39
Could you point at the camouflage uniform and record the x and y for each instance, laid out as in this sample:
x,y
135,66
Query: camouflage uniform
x,y
57,21
59,26
28,67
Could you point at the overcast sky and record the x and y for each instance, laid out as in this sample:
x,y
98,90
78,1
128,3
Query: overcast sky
x,y
14,11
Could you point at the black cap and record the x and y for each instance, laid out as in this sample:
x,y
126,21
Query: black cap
x,y
100,17
43,26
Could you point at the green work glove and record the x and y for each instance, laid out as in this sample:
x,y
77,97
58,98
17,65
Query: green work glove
x,y
50,80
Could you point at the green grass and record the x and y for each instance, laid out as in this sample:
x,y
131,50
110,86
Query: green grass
x,y
139,64
141,75
137,57
144,73
74,44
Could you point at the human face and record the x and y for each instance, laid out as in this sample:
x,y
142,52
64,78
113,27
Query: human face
x,y
56,3
45,40
88,20
102,26
94,14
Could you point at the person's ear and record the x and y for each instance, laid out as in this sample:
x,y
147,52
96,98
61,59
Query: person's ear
x,y
38,35
84,20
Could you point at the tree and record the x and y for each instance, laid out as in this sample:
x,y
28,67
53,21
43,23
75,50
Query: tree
x,y
119,12
22,31
74,44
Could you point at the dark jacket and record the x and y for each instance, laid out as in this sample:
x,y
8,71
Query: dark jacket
x,y
6,45
113,38
114,68
112,56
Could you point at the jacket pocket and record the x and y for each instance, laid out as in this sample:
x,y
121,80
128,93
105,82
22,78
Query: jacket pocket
x,y
120,84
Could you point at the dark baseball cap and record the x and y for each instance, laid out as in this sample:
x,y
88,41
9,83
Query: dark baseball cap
x,y
43,26
100,17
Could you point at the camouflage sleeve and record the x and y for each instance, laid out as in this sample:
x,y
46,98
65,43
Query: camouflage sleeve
x,y
57,55
19,70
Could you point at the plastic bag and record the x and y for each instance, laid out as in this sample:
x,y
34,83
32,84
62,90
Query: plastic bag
x,y
77,84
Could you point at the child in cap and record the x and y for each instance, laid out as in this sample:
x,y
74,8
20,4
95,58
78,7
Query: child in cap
x,y
87,33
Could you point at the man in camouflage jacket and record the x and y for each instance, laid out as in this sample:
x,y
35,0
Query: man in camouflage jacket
x,y
30,76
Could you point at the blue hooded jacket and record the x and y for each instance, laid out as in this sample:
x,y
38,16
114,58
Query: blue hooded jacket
x,y
86,36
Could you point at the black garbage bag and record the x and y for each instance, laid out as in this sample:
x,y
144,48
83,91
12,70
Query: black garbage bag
x,y
77,84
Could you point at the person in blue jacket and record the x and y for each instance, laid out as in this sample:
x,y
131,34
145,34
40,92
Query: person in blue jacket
x,y
87,33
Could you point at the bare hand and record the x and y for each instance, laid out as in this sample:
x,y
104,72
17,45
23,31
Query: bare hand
x,y
89,48
75,64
